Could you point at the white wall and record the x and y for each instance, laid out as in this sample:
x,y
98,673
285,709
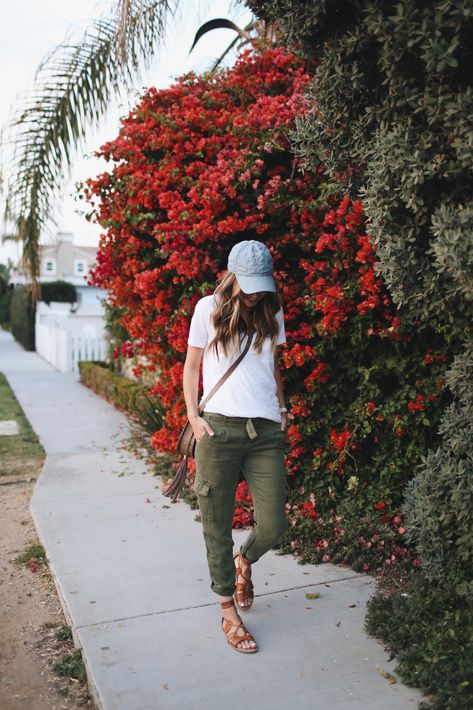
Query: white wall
x,y
90,294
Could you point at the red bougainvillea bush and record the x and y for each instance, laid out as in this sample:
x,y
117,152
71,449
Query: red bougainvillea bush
x,y
195,169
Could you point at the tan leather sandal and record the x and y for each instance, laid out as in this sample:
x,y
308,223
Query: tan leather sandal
x,y
244,594
231,630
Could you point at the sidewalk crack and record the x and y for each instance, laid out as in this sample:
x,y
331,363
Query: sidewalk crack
x,y
202,606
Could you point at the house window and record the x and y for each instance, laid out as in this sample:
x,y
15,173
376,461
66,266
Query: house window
x,y
50,267
80,267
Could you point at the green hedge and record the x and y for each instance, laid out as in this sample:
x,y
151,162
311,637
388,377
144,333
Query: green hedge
x,y
392,96
5,296
18,307
126,394
5,304
431,632
60,291
23,317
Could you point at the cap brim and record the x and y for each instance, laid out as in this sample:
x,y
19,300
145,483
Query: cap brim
x,y
256,284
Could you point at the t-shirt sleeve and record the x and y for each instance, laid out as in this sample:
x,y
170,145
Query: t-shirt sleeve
x,y
282,330
198,332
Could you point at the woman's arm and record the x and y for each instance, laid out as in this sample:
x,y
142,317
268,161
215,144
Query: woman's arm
x,y
190,385
280,388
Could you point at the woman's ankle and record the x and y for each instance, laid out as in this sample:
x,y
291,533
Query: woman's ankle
x,y
245,559
225,600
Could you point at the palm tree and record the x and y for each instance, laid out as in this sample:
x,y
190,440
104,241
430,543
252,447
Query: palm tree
x,y
74,85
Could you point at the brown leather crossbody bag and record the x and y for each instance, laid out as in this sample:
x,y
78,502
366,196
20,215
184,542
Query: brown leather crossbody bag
x,y
187,442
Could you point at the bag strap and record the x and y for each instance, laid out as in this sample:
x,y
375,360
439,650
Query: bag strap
x,y
228,372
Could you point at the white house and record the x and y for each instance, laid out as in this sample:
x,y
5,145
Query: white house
x,y
65,261
66,333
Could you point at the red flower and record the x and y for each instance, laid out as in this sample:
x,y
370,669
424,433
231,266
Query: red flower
x,y
381,505
308,510
339,439
417,405
199,166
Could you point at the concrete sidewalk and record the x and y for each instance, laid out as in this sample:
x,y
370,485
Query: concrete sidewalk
x,y
133,580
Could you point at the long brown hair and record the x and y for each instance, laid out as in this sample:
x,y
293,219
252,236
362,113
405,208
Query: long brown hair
x,y
229,322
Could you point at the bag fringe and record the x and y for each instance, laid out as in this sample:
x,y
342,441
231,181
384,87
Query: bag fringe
x,y
173,489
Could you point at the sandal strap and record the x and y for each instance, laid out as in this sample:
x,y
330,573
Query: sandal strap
x,y
244,595
239,570
227,604
240,573
234,639
244,586
243,590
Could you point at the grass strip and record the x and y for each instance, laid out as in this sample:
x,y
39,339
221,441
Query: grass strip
x,y
20,454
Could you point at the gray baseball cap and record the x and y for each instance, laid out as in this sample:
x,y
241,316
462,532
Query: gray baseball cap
x,y
252,265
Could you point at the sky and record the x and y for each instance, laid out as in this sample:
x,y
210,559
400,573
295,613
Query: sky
x,y
29,29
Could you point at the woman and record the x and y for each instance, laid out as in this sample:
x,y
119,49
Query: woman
x,y
242,427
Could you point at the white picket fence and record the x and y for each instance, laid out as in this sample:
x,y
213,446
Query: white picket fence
x,y
64,338
85,348
64,349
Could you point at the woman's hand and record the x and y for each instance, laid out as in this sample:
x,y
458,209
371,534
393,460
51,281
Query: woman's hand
x,y
284,420
199,427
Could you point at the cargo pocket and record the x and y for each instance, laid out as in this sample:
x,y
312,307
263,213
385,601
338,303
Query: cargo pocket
x,y
203,490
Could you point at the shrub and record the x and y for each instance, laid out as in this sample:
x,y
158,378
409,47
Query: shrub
x,y
60,291
130,396
389,113
431,632
23,309
439,518
23,317
5,307
5,301
206,163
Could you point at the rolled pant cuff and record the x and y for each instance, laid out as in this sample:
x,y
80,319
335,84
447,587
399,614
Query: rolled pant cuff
x,y
243,552
223,592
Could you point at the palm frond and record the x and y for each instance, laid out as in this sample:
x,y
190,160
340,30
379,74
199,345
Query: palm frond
x,y
256,25
74,85
260,29
216,24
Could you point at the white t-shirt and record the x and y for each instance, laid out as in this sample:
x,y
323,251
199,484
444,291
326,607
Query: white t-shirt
x,y
251,390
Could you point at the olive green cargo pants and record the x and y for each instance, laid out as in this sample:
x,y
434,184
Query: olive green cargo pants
x,y
255,447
